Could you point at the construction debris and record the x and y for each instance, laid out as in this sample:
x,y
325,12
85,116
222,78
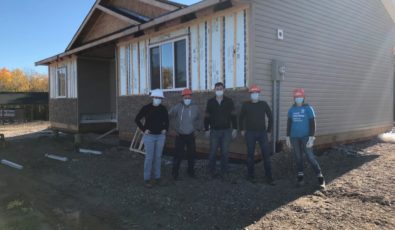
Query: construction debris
x,y
12,164
89,151
388,137
55,157
349,151
137,144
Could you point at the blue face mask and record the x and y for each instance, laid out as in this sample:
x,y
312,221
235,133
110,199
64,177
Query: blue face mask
x,y
299,100
187,101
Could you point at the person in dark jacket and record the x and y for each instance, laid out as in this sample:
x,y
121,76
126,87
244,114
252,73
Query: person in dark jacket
x,y
186,119
220,124
252,124
155,126
300,135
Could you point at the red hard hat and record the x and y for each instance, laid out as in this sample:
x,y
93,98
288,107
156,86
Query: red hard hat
x,y
299,93
186,92
254,89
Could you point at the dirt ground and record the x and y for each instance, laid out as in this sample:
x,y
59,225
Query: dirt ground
x,y
106,192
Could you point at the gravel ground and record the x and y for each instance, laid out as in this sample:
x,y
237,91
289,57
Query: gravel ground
x,y
106,192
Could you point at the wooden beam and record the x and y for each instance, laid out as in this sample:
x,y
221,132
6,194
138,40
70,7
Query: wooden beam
x,y
161,5
117,15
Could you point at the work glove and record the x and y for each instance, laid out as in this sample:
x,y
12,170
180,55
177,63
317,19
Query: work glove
x,y
147,131
234,133
207,134
243,133
310,142
164,131
288,142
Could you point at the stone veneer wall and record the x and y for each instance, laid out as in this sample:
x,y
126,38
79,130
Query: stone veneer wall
x,y
63,114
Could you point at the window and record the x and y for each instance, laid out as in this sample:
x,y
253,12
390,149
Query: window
x,y
61,82
168,65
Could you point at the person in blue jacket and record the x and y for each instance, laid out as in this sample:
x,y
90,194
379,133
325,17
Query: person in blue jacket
x,y
300,136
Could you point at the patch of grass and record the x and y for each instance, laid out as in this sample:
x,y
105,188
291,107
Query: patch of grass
x,y
20,217
26,222
15,204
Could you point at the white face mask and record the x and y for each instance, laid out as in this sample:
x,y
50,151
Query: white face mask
x,y
219,93
156,101
187,101
254,97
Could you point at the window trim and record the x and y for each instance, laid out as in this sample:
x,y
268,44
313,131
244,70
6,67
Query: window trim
x,y
57,82
159,44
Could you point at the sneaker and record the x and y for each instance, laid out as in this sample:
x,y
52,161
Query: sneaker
x,y
148,184
270,181
158,181
300,180
321,182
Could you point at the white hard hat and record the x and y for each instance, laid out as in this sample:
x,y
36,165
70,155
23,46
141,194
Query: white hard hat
x,y
157,93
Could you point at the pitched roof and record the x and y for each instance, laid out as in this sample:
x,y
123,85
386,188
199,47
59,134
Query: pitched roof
x,y
133,29
113,8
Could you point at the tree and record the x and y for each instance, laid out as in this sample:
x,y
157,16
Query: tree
x,y
18,81
5,79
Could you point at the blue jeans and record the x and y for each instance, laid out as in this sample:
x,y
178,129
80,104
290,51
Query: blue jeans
x,y
153,145
299,148
219,139
261,137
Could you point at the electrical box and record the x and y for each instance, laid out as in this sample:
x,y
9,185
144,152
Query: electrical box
x,y
278,70
280,34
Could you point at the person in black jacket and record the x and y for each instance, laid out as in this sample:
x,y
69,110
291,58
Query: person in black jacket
x,y
252,124
219,121
155,127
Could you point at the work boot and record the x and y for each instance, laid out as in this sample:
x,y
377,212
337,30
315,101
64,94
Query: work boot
x,y
158,182
147,184
300,180
174,173
270,181
251,179
321,182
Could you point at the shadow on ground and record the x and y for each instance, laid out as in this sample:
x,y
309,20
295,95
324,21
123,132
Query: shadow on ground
x,y
106,192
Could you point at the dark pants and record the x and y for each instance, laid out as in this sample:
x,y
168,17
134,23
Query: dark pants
x,y
261,137
182,142
221,139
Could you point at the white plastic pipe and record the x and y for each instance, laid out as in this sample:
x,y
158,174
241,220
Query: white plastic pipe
x,y
90,151
11,164
55,157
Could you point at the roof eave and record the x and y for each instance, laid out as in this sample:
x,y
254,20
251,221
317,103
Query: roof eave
x,y
156,21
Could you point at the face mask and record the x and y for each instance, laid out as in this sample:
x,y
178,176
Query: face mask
x,y
255,96
299,100
156,101
219,93
187,101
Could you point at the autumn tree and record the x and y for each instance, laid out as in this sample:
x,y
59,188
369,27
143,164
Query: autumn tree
x,y
18,81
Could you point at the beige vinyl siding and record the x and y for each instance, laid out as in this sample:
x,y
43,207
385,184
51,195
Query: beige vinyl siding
x,y
339,51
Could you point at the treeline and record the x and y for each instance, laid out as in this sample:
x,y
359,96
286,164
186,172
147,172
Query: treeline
x,y
18,81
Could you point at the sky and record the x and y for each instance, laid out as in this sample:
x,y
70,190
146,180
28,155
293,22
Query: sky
x,y
32,30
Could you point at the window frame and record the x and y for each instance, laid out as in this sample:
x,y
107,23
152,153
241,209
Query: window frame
x,y
159,44
57,82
